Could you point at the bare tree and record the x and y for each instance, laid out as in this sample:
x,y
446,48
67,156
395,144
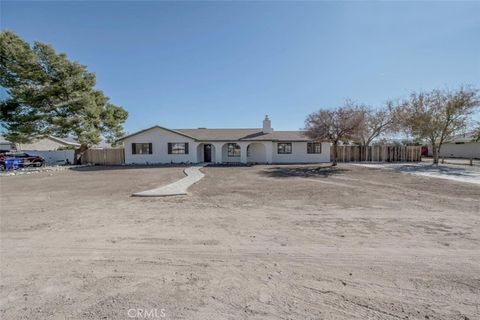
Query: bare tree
x,y
437,115
476,134
336,125
375,122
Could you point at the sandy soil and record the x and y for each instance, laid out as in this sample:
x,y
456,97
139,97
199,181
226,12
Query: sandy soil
x,y
278,242
459,173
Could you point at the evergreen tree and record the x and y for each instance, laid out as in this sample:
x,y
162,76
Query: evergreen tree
x,y
47,94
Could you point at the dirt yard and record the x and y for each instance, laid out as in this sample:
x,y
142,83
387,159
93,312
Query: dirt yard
x,y
263,242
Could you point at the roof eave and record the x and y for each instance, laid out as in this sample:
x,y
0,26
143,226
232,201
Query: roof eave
x,y
60,140
159,127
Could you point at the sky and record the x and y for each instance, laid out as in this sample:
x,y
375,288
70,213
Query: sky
x,y
228,64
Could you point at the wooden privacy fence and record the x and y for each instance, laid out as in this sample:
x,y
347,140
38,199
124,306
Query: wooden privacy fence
x,y
104,156
378,153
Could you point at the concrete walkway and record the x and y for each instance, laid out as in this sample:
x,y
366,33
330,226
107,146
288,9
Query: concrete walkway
x,y
193,175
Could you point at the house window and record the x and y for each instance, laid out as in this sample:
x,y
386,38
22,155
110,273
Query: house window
x,y
141,148
284,148
313,147
233,150
178,148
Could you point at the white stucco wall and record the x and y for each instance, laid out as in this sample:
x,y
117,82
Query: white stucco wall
x,y
299,154
54,156
261,151
6,146
466,150
159,138
199,151
257,152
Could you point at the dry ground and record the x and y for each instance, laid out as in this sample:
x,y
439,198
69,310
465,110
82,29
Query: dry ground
x,y
278,242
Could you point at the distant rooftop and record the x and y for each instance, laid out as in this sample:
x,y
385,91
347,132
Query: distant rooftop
x,y
464,137
67,141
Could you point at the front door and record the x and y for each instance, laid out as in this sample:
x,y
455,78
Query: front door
x,y
207,153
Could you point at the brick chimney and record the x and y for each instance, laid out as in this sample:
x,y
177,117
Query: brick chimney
x,y
267,125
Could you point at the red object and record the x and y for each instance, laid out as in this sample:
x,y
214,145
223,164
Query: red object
x,y
26,160
424,151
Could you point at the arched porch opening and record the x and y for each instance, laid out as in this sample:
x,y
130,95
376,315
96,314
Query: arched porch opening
x,y
206,153
231,152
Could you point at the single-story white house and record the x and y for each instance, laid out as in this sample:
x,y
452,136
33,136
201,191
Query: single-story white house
x,y
263,145
460,146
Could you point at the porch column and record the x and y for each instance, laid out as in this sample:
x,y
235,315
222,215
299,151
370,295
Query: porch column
x,y
218,152
243,153
269,151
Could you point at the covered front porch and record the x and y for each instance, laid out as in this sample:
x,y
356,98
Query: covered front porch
x,y
234,152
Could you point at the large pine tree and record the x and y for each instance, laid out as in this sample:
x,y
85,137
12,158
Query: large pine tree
x,y
44,93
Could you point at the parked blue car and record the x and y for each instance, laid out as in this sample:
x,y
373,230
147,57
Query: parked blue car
x,y
16,160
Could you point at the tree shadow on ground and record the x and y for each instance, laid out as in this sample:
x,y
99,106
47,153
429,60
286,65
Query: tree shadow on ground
x,y
302,172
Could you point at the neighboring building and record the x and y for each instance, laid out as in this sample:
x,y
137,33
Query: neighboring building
x,y
264,145
460,146
102,145
5,145
49,144
54,150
